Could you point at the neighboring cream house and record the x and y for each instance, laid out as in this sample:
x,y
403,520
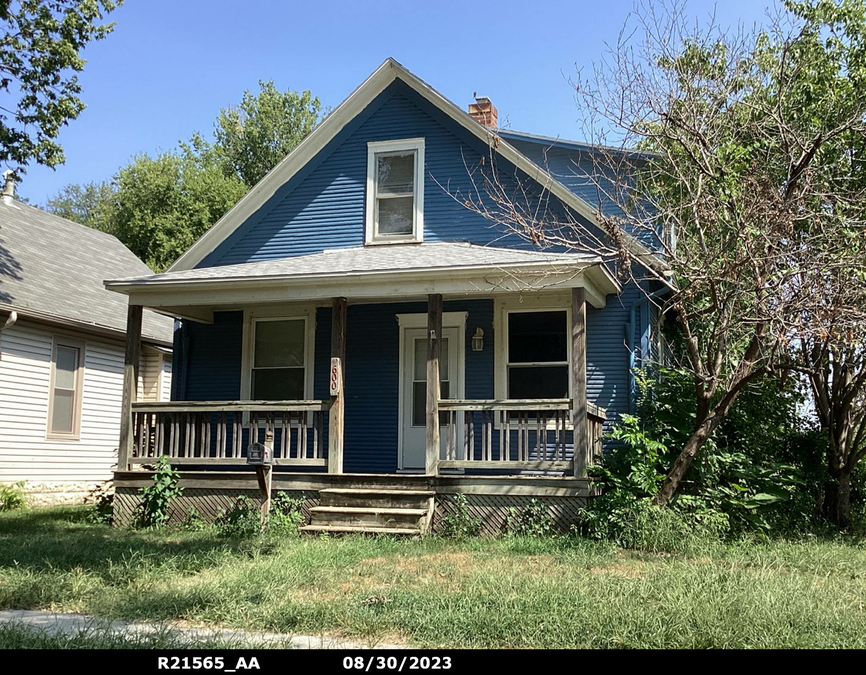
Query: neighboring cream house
x,y
62,339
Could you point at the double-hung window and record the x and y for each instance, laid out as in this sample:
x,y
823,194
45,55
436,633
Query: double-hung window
x,y
278,363
537,355
395,191
67,374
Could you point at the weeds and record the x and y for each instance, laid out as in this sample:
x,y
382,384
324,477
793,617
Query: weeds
x,y
12,497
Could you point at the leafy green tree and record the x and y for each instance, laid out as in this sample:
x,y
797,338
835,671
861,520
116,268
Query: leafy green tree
x,y
88,203
158,206
40,53
162,204
253,137
735,155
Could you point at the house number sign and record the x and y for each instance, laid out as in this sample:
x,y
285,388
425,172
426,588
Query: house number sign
x,y
336,378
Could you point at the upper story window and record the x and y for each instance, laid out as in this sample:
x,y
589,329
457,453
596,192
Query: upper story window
x,y
395,191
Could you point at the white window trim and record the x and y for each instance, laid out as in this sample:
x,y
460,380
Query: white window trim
x,y
81,346
407,144
307,314
508,305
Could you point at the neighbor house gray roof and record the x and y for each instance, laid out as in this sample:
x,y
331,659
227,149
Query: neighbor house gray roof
x,y
429,256
53,268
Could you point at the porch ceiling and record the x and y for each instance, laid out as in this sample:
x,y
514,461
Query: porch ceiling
x,y
372,272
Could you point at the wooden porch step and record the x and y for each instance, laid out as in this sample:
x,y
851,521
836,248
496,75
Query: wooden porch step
x,y
379,491
364,510
375,498
361,529
368,516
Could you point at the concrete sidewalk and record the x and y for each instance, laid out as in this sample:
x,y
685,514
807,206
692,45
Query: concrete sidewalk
x,y
74,624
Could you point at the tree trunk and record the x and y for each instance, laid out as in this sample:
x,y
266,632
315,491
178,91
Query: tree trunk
x,y
837,499
683,462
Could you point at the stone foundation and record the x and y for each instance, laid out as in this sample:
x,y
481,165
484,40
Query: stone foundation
x,y
59,494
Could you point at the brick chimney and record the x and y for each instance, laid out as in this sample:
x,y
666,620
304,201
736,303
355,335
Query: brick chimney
x,y
484,111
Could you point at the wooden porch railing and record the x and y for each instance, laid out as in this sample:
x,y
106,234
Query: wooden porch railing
x,y
533,434
219,432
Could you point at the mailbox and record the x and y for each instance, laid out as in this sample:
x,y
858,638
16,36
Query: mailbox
x,y
260,454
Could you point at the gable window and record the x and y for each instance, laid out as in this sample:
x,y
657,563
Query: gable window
x,y
395,191
278,360
537,355
67,375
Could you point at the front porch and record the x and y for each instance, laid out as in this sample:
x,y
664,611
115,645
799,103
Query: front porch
x,y
455,435
464,378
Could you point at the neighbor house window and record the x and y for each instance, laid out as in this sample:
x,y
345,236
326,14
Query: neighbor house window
x,y
278,361
537,355
395,191
67,374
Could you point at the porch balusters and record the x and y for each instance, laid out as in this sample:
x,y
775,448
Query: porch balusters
x,y
216,433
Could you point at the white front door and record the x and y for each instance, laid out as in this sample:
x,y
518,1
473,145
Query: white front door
x,y
413,378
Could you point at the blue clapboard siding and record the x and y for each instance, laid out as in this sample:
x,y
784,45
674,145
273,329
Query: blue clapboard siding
x,y
210,360
573,166
372,374
323,206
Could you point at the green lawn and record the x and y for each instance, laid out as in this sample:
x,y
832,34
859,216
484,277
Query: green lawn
x,y
506,592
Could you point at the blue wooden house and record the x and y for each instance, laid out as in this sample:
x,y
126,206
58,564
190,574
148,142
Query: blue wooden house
x,y
392,347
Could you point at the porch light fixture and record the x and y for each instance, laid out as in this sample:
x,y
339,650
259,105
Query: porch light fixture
x,y
478,340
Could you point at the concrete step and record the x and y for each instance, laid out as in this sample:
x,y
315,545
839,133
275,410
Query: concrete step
x,y
375,498
357,529
368,516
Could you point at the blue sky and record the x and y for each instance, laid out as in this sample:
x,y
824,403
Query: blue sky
x,y
171,65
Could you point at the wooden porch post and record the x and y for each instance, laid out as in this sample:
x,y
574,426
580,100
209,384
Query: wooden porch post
x,y
337,411
578,381
434,339
130,384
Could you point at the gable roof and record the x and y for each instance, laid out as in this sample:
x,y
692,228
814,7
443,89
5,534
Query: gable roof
x,y
53,269
357,101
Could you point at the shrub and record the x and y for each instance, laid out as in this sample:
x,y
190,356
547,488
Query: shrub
x,y
156,498
460,523
193,520
243,520
533,520
286,513
102,498
757,473
635,523
12,497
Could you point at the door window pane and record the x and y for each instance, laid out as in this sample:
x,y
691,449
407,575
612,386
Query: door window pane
x,y
419,377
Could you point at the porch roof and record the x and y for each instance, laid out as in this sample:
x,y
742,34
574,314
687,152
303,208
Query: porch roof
x,y
376,271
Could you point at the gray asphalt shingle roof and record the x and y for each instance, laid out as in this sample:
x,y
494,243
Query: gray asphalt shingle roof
x,y
370,259
52,266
